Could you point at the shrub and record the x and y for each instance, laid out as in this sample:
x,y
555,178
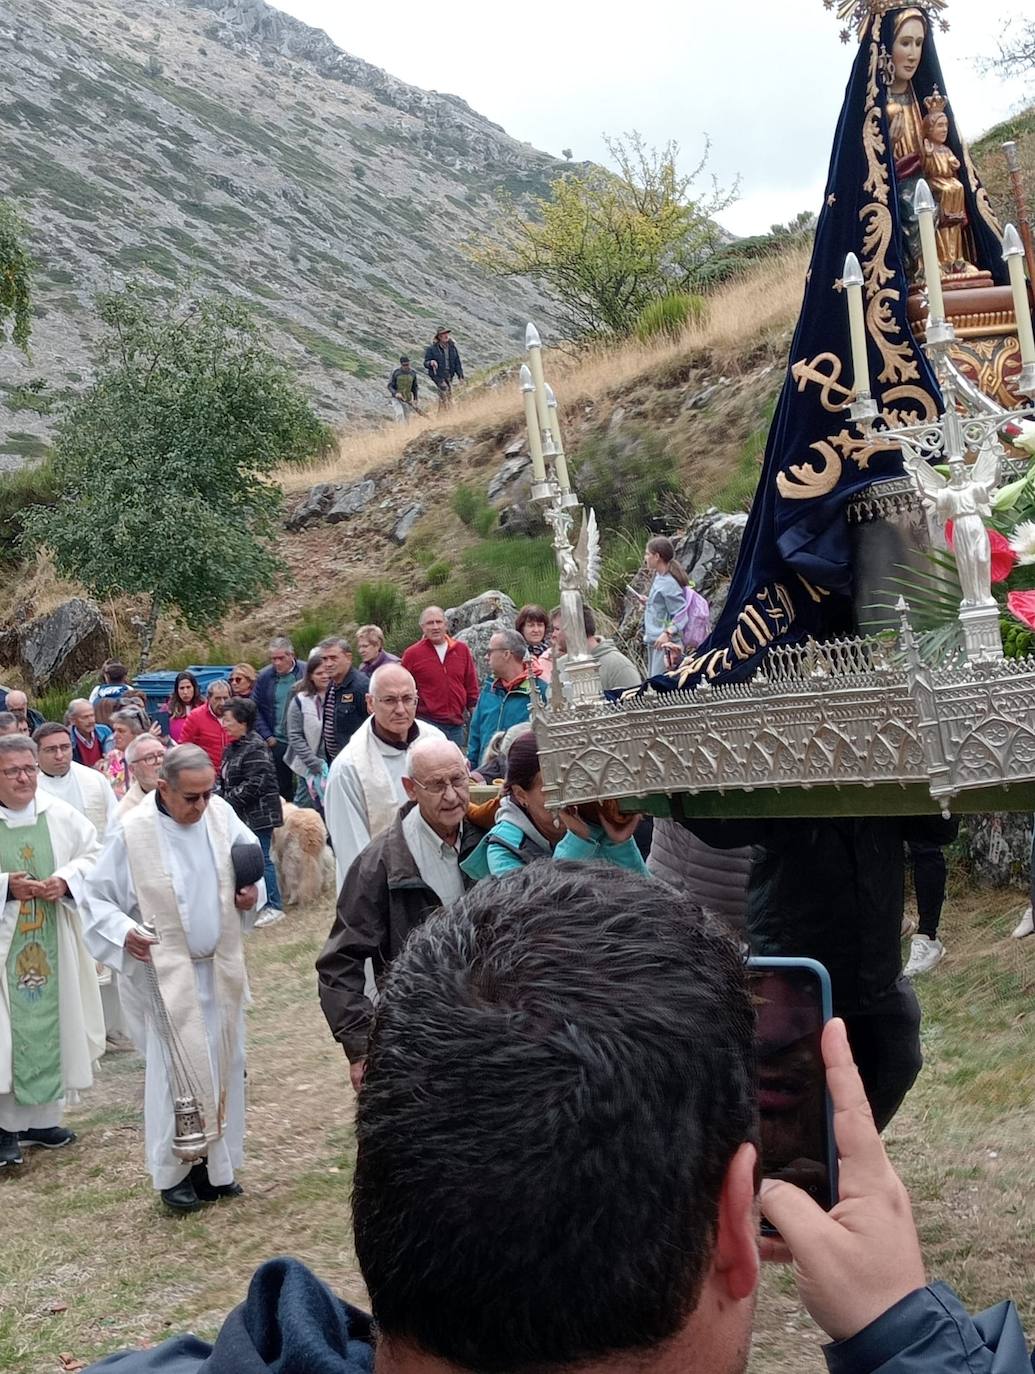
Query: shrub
x,y
474,510
318,622
669,315
380,603
438,572
19,490
630,481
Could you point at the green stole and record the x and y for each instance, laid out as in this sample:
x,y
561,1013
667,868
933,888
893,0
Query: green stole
x,y
32,971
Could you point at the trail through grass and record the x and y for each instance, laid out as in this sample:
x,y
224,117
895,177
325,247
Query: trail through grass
x,y
90,1263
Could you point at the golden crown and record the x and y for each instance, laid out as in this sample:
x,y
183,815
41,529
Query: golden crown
x,y
862,11
935,103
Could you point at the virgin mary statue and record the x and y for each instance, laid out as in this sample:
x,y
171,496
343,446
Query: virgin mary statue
x,y
794,578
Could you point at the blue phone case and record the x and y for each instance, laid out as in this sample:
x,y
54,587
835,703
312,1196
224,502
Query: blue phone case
x,y
827,1004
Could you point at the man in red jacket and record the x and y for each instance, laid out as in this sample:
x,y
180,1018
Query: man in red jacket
x,y
446,678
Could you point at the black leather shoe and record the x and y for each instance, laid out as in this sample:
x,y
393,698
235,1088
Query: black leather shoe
x,y
211,1192
50,1137
182,1198
9,1150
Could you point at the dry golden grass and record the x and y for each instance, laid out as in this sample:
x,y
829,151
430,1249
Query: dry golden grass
x,y
91,1263
740,316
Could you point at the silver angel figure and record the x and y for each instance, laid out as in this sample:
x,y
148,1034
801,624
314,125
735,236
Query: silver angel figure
x,y
965,498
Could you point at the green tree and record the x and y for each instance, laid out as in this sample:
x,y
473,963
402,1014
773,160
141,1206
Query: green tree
x,y
15,279
607,243
164,465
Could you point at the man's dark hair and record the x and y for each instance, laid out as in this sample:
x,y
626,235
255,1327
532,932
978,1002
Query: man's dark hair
x,y
559,1074
243,710
50,727
114,672
403,360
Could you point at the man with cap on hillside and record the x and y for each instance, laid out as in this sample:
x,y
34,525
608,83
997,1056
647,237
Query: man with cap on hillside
x,y
402,387
442,364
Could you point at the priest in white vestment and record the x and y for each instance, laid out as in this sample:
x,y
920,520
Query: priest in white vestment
x,y
86,789
365,784
168,865
144,756
51,1026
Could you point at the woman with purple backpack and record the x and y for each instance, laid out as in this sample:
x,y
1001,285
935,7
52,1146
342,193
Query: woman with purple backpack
x,y
666,606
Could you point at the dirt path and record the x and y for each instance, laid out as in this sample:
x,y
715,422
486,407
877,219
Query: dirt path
x,y
89,1262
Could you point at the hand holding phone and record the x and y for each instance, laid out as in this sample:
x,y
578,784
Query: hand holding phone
x,y
859,1259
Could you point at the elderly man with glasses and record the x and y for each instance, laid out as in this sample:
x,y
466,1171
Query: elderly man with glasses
x,y
406,872
144,756
365,784
51,1024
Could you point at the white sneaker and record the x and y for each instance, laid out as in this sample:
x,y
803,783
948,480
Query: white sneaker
x,y
1025,926
269,916
924,955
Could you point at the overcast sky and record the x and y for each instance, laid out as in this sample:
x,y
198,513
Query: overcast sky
x,y
763,78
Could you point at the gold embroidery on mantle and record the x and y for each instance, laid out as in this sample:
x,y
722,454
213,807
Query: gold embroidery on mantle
x,y
804,372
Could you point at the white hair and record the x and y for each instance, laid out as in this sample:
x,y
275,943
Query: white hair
x,y
428,744
137,743
184,758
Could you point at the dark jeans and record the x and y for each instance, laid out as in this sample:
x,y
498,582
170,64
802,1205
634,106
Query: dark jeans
x,y
286,779
885,1041
265,838
928,862
457,733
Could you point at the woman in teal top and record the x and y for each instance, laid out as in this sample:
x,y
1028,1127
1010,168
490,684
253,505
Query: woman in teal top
x,y
525,830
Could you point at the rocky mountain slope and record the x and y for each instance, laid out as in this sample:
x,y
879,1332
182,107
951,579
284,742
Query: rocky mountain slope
x,y
225,142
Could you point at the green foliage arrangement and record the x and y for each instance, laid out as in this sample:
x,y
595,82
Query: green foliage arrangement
x,y
164,464
15,279
608,243
630,481
381,603
669,315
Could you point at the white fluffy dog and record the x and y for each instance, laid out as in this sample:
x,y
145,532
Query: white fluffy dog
x,y
305,864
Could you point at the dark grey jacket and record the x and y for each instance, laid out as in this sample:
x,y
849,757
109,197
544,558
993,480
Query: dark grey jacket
x,y
382,899
248,781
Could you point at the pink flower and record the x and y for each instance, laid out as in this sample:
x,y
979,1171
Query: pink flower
x,y
1003,557
1021,606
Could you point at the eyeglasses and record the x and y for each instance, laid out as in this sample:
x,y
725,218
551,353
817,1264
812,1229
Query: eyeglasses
x,y
11,774
147,758
239,677
440,786
396,701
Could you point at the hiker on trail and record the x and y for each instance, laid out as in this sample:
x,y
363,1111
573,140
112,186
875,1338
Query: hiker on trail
x,y
442,364
402,387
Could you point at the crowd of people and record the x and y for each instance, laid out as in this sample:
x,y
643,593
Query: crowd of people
x,y
135,854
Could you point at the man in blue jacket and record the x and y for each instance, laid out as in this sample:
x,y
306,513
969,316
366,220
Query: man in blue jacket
x,y
506,695
271,694
540,1183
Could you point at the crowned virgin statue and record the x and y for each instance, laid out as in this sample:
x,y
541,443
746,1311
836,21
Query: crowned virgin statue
x,y
798,575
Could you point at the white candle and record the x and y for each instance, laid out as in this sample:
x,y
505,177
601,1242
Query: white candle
x,y
559,460
535,439
925,207
853,284
534,344
1013,256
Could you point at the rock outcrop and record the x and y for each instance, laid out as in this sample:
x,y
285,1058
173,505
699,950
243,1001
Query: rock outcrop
x,y
62,645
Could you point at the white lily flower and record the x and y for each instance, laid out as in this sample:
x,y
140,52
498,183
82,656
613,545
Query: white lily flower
x,y
1022,541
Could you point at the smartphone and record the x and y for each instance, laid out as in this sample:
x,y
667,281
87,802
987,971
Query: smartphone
x,y
796,1120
